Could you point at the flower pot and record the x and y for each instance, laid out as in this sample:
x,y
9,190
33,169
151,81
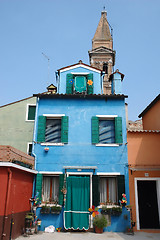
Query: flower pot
x,y
98,230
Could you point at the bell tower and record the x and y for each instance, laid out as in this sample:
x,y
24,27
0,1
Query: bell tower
x,y
102,55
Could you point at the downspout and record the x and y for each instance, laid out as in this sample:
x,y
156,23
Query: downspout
x,y
34,142
7,202
102,77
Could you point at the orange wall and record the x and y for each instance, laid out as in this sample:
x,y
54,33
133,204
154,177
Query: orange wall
x,y
151,119
143,152
143,148
20,193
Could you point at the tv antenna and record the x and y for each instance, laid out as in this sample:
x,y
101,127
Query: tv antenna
x,y
48,66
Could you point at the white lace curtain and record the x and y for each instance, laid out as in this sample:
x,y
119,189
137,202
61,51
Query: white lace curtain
x,y
50,188
108,189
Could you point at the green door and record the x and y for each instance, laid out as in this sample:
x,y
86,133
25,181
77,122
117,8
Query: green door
x,y
76,214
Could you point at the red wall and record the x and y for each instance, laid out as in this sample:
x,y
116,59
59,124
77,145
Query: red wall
x,y
18,201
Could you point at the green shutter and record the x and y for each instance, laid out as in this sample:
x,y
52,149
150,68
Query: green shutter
x,y
41,129
61,183
95,190
90,87
118,130
69,83
95,130
64,129
39,185
121,186
31,112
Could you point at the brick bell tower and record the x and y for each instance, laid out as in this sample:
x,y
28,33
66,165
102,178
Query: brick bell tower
x,y
102,55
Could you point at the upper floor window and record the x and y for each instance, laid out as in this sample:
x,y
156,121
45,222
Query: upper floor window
x,y
29,148
106,130
105,68
52,129
31,110
81,83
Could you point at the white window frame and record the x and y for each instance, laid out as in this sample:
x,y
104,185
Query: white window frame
x,y
107,117
28,147
53,116
49,174
27,111
136,196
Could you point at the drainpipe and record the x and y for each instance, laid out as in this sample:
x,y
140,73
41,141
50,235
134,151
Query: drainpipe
x,y
7,203
34,141
102,77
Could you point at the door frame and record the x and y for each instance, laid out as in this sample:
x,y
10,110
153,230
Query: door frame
x,y
136,196
85,174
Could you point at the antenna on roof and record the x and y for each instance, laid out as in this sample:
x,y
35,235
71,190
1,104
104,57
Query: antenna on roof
x,y
48,66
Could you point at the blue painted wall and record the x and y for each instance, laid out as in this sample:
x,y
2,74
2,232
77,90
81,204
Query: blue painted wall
x,y
79,150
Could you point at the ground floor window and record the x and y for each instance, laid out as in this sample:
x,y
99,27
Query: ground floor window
x,y
50,189
108,189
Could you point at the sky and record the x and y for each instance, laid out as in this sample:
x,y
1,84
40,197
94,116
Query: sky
x,y
63,31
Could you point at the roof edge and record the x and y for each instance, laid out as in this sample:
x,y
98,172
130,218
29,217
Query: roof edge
x,y
149,106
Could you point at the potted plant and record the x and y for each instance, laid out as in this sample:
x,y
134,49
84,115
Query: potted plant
x,y
99,223
56,209
45,209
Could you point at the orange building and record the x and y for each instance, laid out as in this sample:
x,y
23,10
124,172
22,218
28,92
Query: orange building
x,y
144,169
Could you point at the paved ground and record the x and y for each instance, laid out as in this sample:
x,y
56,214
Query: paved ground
x,y
90,235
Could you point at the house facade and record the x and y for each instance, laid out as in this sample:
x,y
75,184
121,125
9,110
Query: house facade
x,y
18,133
144,169
80,148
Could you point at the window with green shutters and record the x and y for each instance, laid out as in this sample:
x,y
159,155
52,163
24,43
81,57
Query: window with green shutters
x,y
106,130
79,84
52,130
111,188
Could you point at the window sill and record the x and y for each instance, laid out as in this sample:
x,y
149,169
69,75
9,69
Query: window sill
x,y
107,145
52,144
30,120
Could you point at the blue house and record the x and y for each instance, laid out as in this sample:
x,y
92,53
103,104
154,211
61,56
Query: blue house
x,y
80,148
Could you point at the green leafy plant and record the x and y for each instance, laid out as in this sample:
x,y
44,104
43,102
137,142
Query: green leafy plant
x,y
116,211
100,221
56,209
45,209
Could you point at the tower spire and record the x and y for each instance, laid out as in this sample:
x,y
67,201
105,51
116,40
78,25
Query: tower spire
x,y
102,54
